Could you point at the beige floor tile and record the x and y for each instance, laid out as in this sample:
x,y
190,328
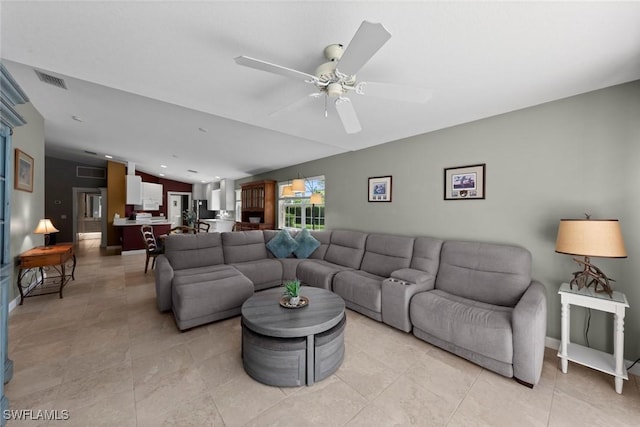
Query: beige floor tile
x,y
153,367
157,400
327,403
494,400
113,410
221,369
405,403
242,399
35,378
87,363
569,411
365,374
92,389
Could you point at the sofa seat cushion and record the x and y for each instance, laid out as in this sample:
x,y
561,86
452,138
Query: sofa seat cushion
x,y
264,273
203,274
359,287
475,326
218,292
318,273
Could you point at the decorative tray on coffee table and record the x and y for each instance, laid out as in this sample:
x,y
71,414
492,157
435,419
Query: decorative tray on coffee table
x,y
284,301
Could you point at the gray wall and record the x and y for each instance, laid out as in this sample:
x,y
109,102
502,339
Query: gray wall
x,y
556,160
27,208
58,202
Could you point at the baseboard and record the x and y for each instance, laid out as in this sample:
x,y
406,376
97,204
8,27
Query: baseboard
x,y
554,344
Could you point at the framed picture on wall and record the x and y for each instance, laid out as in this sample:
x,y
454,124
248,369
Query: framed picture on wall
x,y
23,171
380,189
464,182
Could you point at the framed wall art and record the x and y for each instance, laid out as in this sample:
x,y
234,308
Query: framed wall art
x,y
464,182
23,171
380,189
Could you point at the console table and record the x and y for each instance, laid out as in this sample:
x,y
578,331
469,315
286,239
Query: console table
x,y
50,259
601,361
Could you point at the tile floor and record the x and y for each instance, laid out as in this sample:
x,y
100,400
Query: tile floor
x,y
106,355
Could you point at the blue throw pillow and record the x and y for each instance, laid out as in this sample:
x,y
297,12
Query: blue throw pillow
x,y
306,244
282,245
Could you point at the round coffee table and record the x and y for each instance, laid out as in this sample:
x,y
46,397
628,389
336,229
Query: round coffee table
x,y
292,346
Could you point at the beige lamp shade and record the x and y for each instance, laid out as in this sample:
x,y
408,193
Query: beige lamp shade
x,y
316,199
287,191
591,238
45,227
297,186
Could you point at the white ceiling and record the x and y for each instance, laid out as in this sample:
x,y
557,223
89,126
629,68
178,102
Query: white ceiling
x,y
144,76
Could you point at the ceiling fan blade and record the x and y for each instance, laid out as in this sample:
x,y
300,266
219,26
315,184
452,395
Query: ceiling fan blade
x,y
365,43
259,64
394,92
348,115
296,104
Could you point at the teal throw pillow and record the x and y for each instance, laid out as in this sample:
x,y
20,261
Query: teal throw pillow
x,y
282,245
306,244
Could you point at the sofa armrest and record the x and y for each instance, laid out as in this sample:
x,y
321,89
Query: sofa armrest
x,y
164,276
422,279
529,332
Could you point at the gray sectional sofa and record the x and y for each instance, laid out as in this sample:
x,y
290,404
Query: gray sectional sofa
x,y
476,300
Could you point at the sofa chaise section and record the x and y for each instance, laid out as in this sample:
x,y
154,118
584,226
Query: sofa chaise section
x,y
193,281
485,308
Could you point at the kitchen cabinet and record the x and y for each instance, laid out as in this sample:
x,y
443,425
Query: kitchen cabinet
x,y
134,189
221,195
152,192
258,200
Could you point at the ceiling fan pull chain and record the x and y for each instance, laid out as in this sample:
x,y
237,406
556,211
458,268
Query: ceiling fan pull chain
x,y
326,114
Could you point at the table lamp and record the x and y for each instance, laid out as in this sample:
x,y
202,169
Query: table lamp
x,y
590,238
45,227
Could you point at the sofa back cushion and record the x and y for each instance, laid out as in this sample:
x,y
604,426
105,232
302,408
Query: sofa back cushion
x,y
324,237
426,254
346,248
193,250
491,273
243,246
385,253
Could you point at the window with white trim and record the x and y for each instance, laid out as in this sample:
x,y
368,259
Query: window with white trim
x,y
296,210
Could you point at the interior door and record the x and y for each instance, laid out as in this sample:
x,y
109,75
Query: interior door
x,y
174,211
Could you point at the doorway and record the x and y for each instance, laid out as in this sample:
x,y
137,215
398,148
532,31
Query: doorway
x,y
178,203
89,209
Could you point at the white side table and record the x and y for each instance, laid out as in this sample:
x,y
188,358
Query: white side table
x,y
612,364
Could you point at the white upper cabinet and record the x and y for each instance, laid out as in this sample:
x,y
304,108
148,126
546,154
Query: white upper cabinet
x,y
151,193
134,189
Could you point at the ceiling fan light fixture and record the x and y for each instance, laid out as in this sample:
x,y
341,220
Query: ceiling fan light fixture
x,y
334,90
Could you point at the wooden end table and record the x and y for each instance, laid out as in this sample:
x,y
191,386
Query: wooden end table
x,y
49,259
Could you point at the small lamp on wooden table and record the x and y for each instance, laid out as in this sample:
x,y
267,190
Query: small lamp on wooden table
x,y
45,227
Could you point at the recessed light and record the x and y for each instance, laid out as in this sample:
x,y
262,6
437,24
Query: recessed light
x,y
161,174
163,166
203,181
108,156
77,119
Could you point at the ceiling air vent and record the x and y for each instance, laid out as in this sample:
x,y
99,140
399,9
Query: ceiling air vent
x,y
192,171
89,172
52,80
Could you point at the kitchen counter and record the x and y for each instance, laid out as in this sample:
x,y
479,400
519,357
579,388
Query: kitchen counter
x,y
121,222
130,235
219,225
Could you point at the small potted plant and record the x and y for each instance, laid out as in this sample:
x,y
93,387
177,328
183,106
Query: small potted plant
x,y
292,290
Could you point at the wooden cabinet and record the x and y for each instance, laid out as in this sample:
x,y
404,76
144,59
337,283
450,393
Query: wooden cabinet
x,y
258,200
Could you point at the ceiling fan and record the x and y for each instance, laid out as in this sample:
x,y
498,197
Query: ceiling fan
x,y
337,77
